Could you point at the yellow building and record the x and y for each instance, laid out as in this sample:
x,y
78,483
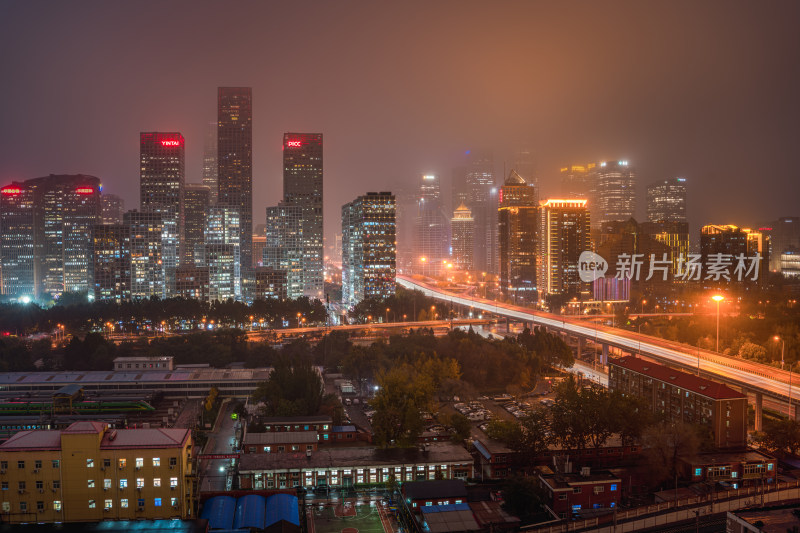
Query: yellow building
x,y
89,472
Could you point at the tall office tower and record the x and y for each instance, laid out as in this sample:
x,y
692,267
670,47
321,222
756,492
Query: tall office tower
x,y
674,235
223,253
407,200
785,238
731,241
563,236
518,218
259,243
577,181
283,250
666,200
462,226
525,165
112,262
113,206
302,186
430,231
459,192
146,244
614,192
482,200
162,188
17,242
235,160
196,201
191,282
210,164
66,208
368,248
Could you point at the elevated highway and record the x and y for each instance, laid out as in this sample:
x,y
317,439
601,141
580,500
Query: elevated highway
x,y
752,378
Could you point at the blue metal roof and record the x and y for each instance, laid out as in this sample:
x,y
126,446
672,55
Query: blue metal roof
x,y
282,507
484,452
219,512
250,511
343,429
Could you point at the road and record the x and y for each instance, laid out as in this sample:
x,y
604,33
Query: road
x,y
754,377
217,474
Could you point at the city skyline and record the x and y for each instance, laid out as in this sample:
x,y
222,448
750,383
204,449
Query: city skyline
x,y
714,107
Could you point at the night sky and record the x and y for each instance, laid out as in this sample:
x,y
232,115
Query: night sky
x,y
704,90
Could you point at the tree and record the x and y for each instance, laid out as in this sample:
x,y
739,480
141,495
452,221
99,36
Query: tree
x,y
522,497
293,389
505,431
461,426
401,398
780,436
664,443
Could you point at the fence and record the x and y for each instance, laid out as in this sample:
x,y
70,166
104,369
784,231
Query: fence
x,y
661,514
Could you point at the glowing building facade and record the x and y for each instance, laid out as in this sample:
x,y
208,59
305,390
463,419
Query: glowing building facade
x,y
563,236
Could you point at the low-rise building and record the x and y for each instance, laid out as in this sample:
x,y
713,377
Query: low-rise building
x,y
281,442
90,472
321,425
154,362
353,467
738,469
419,494
574,493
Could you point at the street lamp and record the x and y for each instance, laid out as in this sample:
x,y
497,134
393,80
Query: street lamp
x,y
718,298
387,315
783,346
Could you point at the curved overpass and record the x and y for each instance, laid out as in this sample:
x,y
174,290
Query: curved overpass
x,y
749,376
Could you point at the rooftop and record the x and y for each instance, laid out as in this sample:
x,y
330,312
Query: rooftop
x,y
356,457
112,438
566,481
776,520
289,420
684,380
722,458
430,490
33,440
281,437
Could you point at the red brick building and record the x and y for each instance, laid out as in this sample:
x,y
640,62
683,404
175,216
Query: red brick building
x,y
678,395
575,493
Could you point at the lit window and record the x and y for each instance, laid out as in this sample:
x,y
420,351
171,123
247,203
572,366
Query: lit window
x,y
139,462
91,504
158,502
123,483
107,504
139,482
56,505
613,486
106,484
698,471
91,483
123,463
173,482
123,503
156,461
89,463
156,481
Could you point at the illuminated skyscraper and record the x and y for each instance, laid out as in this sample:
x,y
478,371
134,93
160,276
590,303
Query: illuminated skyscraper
x,y
666,200
431,230
483,201
462,226
52,217
563,236
518,217
113,206
614,192
785,239
725,242
235,160
223,253
368,248
283,250
210,165
302,187
17,242
146,244
112,262
197,200
162,159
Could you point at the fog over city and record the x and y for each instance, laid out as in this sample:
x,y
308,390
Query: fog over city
x,y
707,91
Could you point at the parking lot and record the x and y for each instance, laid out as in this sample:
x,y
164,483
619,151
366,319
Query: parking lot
x,y
349,517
